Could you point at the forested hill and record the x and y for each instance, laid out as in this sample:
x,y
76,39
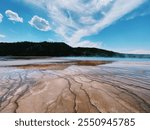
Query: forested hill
x,y
49,49
57,49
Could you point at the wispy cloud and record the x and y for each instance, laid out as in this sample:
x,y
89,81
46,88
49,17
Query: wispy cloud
x,y
89,44
13,16
2,36
1,17
135,15
75,19
118,9
142,11
40,23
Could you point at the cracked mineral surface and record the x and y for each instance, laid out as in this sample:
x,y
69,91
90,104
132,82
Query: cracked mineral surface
x,y
71,88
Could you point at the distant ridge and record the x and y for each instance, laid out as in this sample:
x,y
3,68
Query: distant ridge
x,y
57,49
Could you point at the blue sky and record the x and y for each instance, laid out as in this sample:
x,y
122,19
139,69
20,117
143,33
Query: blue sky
x,y
118,25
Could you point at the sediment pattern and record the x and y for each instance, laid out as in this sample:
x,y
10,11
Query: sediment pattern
x,y
75,89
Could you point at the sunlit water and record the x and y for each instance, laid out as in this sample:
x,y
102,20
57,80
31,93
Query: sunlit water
x,y
8,61
108,59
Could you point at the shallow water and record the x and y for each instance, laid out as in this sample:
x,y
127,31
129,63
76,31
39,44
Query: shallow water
x,y
108,59
124,62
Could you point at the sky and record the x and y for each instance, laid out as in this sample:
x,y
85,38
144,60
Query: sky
x,y
117,25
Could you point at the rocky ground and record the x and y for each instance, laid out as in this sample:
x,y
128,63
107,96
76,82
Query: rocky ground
x,y
75,88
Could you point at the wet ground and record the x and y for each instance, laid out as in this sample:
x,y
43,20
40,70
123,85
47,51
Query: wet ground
x,y
72,87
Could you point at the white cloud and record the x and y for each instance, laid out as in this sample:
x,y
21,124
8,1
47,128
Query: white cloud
x,y
2,36
40,23
13,16
75,19
1,17
87,20
119,9
135,14
89,44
